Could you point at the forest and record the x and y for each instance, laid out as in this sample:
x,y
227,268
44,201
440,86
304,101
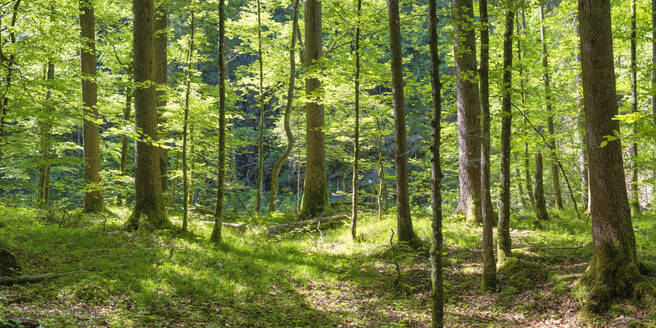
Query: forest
x,y
335,163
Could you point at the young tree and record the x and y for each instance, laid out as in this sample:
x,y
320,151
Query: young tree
x,y
93,196
503,231
635,188
275,173
613,271
45,134
540,203
260,137
315,195
653,74
437,291
469,110
149,210
356,140
185,123
4,99
404,221
220,187
522,92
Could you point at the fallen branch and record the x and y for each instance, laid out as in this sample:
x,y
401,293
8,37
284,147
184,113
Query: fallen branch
x,y
300,224
27,279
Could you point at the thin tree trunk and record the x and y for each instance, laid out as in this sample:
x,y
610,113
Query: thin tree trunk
x,y
315,192
161,79
635,188
185,124
381,171
4,100
404,221
550,121
275,173
93,196
527,157
469,110
613,271
356,147
220,188
437,291
149,210
522,195
503,231
260,138
45,127
540,203
127,113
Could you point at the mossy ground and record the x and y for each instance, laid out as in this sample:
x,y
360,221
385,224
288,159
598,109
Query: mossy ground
x,y
299,279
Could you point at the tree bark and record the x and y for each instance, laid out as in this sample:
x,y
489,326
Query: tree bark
x,y
653,79
540,203
527,159
503,231
635,188
550,122
437,291
160,60
185,124
613,271
149,211
404,221
220,187
315,194
381,170
45,127
275,173
4,100
356,139
260,138
127,113
469,110
93,196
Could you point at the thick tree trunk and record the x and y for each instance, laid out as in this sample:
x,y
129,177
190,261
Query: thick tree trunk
x,y
406,232
315,194
93,196
185,123
469,110
160,60
4,100
550,121
260,137
489,277
635,188
613,271
220,187
149,211
356,138
503,231
45,133
527,158
540,203
437,291
275,173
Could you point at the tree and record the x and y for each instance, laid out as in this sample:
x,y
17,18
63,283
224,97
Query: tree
x,y
93,196
489,277
503,231
160,62
4,100
469,110
185,124
356,140
45,134
260,138
437,291
220,187
540,203
653,70
149,209
404,222
550,121
522,90
613,271
315,195
635,188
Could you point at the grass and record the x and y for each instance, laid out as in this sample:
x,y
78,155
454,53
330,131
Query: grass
x,y
300,279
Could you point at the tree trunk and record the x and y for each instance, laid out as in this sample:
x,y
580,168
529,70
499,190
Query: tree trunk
x,y
288,112
635,188
127,113
540,203
45,127
93,196
404,221
149,211
527,158
4,100
437,291
550,122
653,78
381,171
356,147
315,194
613,271
160,60
522,195
469,110
260,138
220,187
503,231
185,124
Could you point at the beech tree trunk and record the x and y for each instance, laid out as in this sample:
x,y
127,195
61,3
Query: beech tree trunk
x,y
315,194
406,232
4,100
503,230
540,203
356,138
381,171
160,60
45,133
469,110
149,210
275,173
635,188
613,271
185,124
527,157
437,291
550,122
93,196
260,138
220,187
489,277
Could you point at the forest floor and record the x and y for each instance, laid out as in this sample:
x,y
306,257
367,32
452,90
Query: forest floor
x,y
298,279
